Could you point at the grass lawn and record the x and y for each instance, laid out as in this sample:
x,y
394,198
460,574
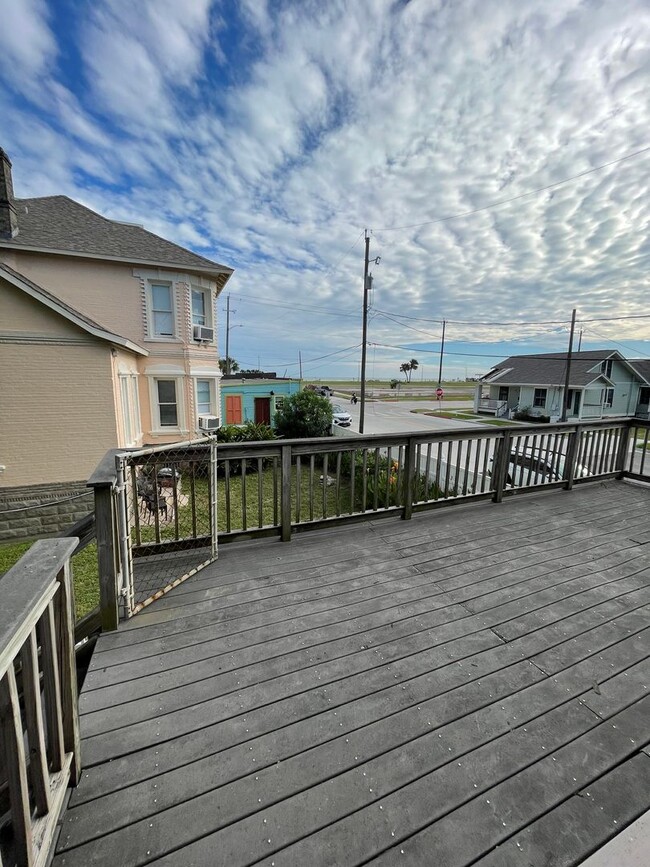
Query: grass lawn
x,y
430,398
84,564
84,573
252,503
460,415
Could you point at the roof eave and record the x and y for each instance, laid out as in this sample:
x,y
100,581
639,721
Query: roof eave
x,y
218,272
102,334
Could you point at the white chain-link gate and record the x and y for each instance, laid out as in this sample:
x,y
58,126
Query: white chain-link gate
x,y
167,518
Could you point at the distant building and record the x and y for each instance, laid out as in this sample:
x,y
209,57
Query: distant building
x,y
602,384
254,396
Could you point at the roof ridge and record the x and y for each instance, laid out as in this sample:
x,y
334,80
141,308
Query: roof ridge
x,y
65,225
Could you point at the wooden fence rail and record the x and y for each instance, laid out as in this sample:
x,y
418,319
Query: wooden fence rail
x,y
39,725
285,486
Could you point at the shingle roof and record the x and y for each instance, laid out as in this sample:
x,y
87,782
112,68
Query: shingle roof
x,y
59,223
66,310
549,369
642,365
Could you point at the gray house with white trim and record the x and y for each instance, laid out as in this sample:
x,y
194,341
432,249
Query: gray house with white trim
x,y
602,384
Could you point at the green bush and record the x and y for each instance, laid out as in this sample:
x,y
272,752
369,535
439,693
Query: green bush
x,y
245,433
250,432
304,415
386,481
526,414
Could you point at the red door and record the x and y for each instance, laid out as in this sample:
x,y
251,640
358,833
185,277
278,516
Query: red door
x,y
263,410
233,409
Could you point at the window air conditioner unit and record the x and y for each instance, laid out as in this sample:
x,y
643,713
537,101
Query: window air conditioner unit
x,y
203,333
209,422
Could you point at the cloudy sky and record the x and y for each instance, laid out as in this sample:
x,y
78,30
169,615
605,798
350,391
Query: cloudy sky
x,y
270,135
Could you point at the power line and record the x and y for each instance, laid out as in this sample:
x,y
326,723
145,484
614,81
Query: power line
x,y
500,202
615,342
307,308
545,356
336,361
319,357
515,322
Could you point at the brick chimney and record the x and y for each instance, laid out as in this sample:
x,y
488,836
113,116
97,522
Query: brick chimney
x,y
8,216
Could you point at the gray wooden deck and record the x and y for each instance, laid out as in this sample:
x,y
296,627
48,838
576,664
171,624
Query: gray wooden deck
x,y
468,687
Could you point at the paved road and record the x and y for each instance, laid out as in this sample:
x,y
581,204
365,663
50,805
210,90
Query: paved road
x,y
387,417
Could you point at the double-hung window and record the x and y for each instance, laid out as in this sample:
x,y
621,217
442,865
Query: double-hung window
x,y
200,307
539,398
608,397
167,402
205,396
162,310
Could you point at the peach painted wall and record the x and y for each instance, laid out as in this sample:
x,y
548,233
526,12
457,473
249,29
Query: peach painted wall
x,y
58,414
110,294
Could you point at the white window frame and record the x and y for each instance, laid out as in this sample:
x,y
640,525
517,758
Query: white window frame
x,y
213,395
608,397
151,313
207,306
157,427
130,406
135,404
125,403
543,404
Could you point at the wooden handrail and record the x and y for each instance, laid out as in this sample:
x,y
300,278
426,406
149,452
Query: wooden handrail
x,y
37,613
460,464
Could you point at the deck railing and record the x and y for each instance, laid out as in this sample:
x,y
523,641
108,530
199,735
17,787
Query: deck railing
x,y
286,486
492,405
39,728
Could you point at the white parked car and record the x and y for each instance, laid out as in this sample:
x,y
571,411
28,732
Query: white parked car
x,y
536,466
342,417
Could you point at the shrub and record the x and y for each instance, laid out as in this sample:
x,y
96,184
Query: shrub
x,y
385,485
250,432
526,414
304,414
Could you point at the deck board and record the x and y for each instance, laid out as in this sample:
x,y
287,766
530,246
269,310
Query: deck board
x,y
366,689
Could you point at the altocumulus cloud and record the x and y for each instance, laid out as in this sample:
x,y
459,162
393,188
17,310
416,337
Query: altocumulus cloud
x,y
269,135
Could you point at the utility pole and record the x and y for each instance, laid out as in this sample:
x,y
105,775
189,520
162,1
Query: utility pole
x,y
364,337
567,379
227,334
442,350
300,363
580,340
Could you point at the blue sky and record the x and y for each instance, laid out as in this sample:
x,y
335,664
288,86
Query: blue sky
x,y
268,136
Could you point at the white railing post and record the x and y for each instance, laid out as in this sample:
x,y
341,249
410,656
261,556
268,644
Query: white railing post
x,y
39,725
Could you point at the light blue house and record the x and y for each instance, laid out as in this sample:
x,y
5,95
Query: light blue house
x,y
602,384
254,396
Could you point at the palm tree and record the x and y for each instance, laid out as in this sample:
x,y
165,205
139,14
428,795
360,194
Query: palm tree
x,y
413,365
404,368
228,365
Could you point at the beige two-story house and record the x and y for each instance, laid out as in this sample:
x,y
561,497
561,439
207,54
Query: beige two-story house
x,y
108,338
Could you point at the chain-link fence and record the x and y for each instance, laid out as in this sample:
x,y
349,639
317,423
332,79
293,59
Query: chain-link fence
x,y
167,517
